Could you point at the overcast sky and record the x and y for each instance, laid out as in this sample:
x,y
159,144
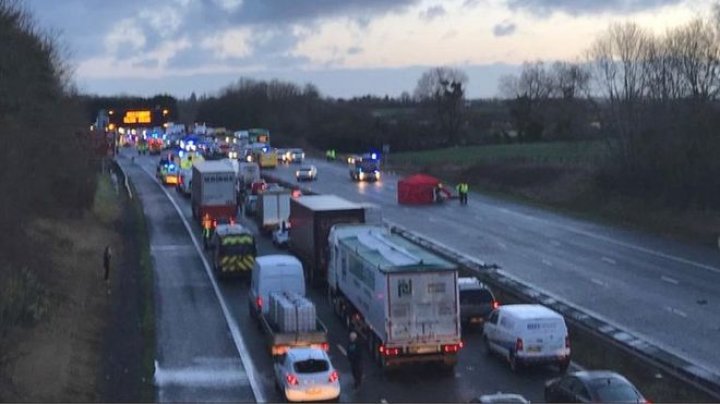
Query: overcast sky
x,y
345,47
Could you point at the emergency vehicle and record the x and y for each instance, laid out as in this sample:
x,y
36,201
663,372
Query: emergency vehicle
x,y
155,145
233,250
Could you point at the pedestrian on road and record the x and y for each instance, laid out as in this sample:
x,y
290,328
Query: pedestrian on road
x,y
354,355
107,256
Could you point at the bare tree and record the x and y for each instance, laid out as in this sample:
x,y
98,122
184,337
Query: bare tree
x,y
443,88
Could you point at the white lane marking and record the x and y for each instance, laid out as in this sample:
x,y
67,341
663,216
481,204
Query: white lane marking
x,y
598,282
232,324
669,280
608,260
170,247
546,262
555,243
341,349
676,311
200,376
502,245
616,242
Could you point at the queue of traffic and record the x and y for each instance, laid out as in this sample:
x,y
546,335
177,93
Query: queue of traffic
x,y
407,304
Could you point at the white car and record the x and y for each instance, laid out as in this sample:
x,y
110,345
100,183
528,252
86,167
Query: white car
x,y
306,173
306,374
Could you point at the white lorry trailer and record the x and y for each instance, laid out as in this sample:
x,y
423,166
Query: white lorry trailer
x,y
273,208
401,298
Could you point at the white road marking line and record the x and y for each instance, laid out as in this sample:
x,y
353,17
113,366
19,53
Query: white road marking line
x,y
616,242
609,260
676,311
598,282
502,245
341,349
555,243
200,376
669,280
232,324
546,262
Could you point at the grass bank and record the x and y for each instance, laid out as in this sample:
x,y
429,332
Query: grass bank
x,y
54,352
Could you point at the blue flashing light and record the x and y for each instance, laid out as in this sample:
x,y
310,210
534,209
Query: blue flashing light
x,y
171,166
181,153
373,156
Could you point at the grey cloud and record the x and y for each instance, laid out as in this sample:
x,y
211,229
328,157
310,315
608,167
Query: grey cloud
x,y
505,28
84,24
354,50
545,8
150,63
433,12
471,3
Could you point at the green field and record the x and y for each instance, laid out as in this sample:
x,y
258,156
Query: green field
x,y
555,152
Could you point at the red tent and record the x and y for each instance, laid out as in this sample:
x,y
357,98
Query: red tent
x,y
416,189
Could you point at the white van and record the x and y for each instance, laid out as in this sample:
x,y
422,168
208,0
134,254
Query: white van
x,y
274,273
527,334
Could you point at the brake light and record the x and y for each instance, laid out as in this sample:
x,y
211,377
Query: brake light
x,y
389,351
452,348
232,220
567,341
333,376
259,302
519,345
214,224
495,304
325,346
292,379
181,180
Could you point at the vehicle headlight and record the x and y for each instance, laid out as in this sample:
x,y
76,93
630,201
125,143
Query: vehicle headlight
x,y
362,175
297,173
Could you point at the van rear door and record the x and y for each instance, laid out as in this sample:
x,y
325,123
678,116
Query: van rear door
x,y
544,336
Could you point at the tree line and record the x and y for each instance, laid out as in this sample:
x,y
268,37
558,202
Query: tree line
x,y
652,98
48,165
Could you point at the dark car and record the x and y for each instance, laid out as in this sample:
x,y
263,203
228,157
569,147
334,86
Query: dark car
x,y
599,386
476,301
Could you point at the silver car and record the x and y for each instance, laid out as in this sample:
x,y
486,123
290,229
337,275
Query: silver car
x,y
306,374
306,173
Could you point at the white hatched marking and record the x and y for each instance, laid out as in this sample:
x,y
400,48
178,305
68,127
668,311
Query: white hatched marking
x,y
201,376
676,311
598,282
670,280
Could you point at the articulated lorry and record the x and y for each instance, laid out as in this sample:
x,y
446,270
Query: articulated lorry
x,y
311,218
400,297
213,190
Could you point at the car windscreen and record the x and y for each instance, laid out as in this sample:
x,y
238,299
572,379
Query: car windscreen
x,y
368,165
475,296
305,169
615,393
311,366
